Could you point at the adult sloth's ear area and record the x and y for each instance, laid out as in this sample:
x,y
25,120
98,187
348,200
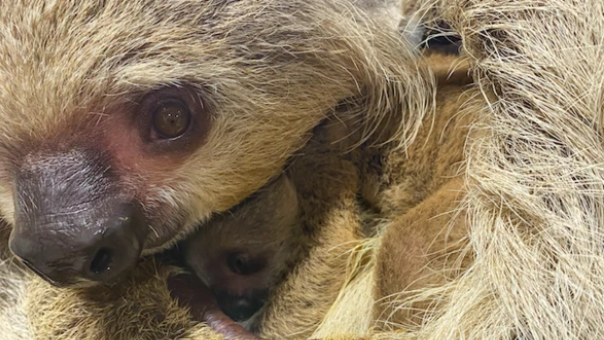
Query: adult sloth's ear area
x,y
440,38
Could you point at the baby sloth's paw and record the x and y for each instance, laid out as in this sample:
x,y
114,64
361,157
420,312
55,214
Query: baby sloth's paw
x,y
192,293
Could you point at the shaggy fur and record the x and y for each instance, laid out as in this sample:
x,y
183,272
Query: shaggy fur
x,y
14,322
535,179
425,11
266,69
524,246
304,57
534,186
315,298
425,21
530,266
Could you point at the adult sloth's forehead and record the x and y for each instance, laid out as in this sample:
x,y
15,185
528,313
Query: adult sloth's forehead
x,y
85,43
86,48
62,59
88,33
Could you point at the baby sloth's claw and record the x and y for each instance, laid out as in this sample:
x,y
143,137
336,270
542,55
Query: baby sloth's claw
x,y
191,293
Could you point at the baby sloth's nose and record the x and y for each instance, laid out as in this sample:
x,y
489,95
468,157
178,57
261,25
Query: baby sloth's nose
x,y
240,307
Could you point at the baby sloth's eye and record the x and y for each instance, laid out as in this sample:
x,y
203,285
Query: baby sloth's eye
x,y
171,120
242,263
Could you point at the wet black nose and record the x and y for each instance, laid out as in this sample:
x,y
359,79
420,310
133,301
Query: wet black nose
x,y
66,253
240,307
73,220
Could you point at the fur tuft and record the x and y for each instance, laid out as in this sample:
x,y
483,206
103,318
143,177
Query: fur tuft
x,y
505,243
14,322
534,182
537,187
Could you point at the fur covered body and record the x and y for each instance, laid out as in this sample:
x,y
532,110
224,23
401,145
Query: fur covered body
x,y
339,243
499,238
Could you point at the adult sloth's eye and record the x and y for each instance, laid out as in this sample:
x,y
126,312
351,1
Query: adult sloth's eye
x,y
171,120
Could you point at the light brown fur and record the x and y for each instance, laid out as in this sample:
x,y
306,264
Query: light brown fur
x,y
307,57
420,239
532,201
14,321
427,231
326,179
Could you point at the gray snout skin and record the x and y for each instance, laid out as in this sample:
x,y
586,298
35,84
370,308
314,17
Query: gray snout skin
x,y
72,222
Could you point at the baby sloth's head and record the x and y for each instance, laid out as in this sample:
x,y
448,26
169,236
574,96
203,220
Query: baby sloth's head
x,y
244,253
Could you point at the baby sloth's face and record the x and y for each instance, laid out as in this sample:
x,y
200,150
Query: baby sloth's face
x,y
243,254
240,282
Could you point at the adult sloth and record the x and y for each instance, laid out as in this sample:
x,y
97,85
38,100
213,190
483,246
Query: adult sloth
x,y
524,264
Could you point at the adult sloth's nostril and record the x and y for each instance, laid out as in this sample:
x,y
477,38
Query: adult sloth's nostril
x,y
73,223
102,261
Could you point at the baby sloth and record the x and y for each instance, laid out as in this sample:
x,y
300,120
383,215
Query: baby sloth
x,y
238,257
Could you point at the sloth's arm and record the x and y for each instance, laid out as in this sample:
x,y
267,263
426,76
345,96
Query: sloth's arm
x,y
191,293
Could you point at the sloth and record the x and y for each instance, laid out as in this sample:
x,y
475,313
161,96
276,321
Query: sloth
x,y
243,253
320,295
174,114
239,257
531,191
